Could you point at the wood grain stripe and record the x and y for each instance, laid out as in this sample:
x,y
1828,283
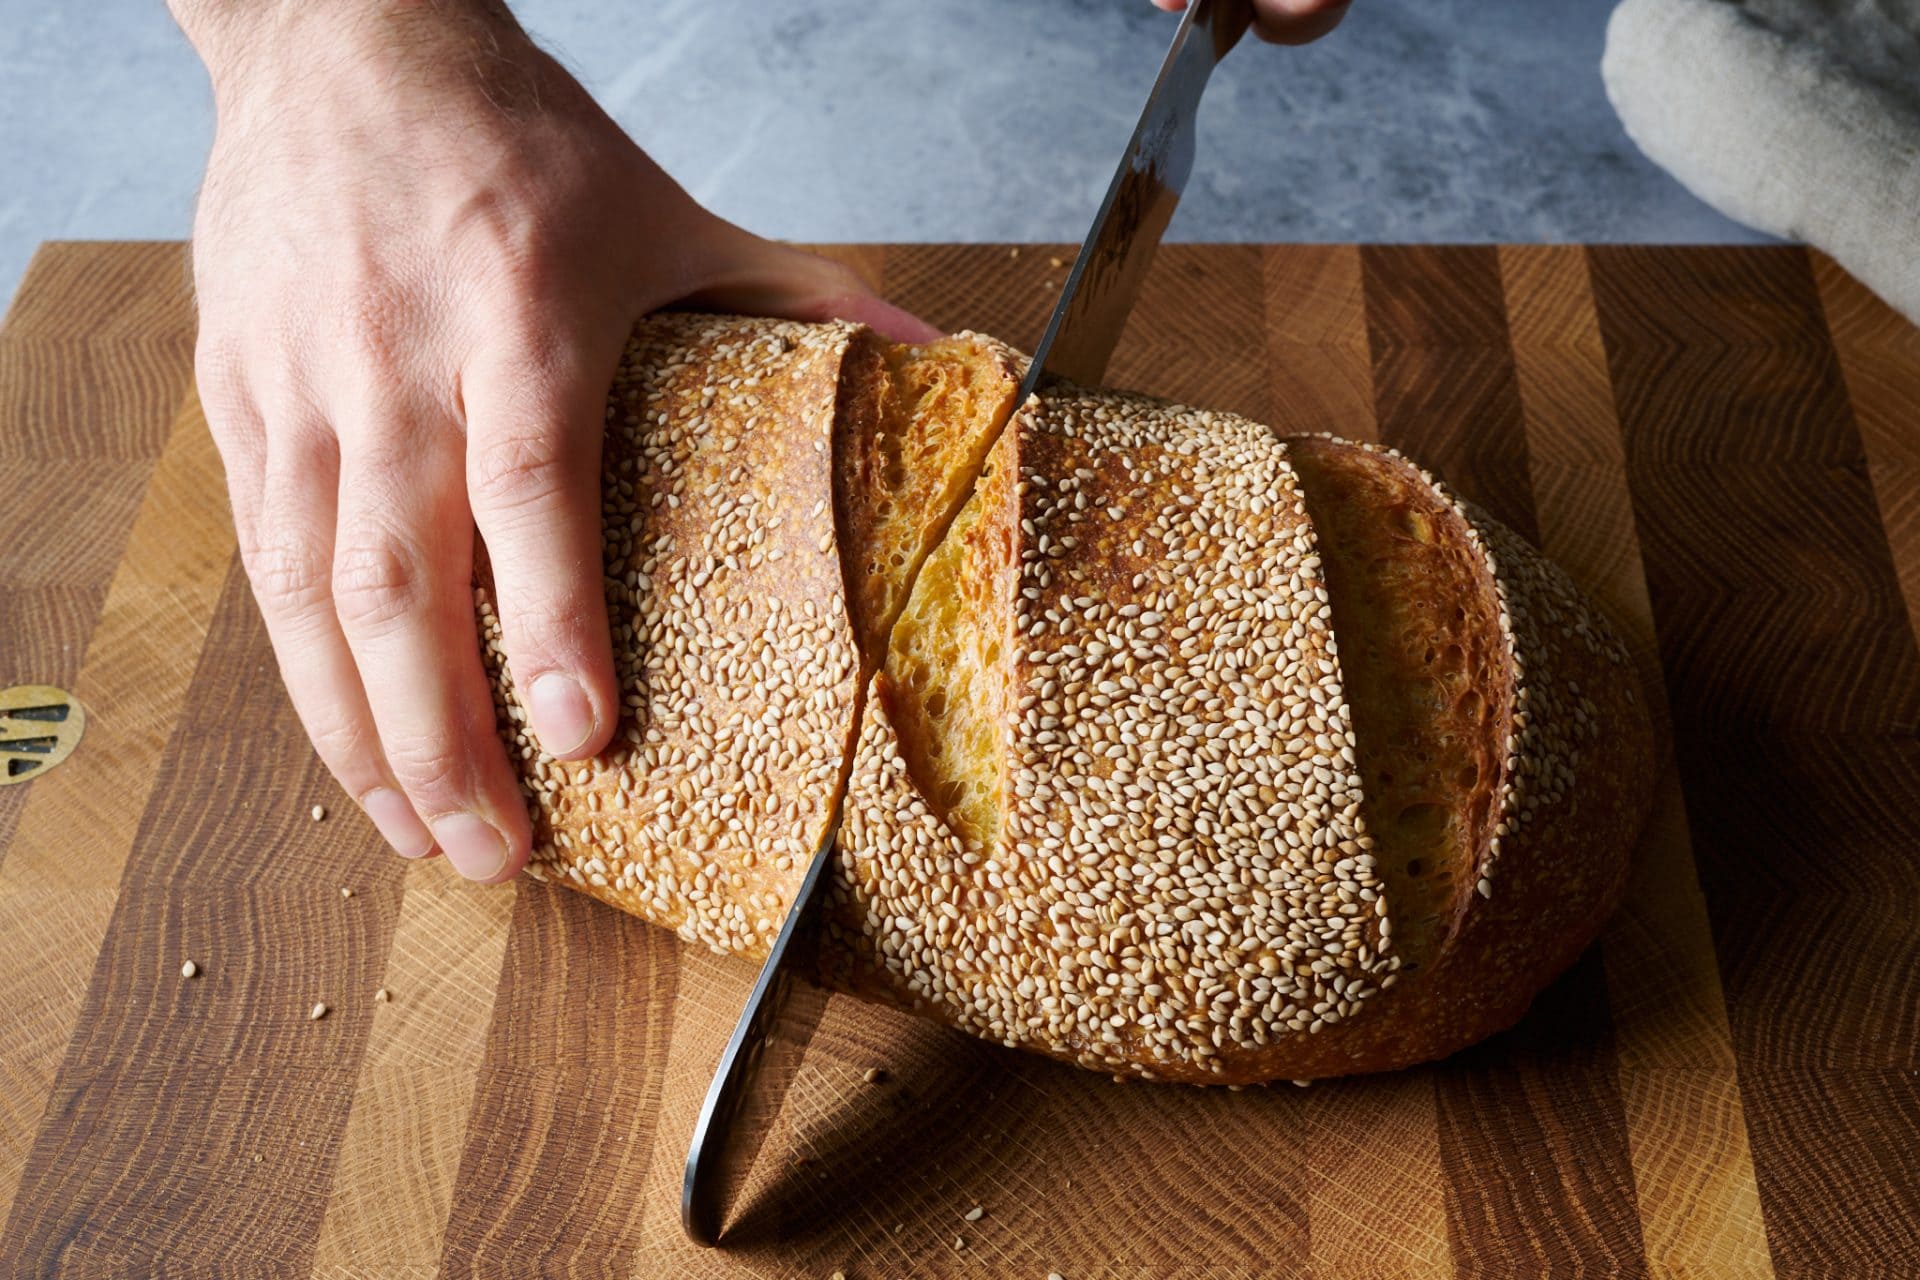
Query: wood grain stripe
x,y
1444,390
1795,684
1531,1124
1693,1173
1004,290
202,1076
82,422
1319,366
1376,1191
128,291
567,1102
1215,350
60,877
710,992
1878,352
393,1183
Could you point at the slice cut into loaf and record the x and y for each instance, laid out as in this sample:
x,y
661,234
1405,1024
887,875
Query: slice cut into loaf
x,y
945,680
913,428
1426,672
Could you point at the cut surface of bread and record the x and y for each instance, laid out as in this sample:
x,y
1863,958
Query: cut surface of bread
x,y
945,677
1427,677
914,427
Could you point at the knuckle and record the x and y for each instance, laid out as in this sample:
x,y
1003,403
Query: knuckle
x,y
513,471
433,771
348,751
288,570
377,582
547,630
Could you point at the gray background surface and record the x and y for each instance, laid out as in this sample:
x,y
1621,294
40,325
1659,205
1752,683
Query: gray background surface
x,y
1418,120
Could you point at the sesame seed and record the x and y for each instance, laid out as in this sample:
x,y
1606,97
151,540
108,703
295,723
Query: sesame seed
x,y
975,1214
189,970
345,892
382,996
875,1075
319,1012
318,812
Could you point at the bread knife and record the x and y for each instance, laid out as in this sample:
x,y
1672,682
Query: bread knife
x,y
764,1051
1106,276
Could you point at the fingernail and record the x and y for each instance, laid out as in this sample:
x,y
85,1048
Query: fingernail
x,y
397,823
476,850
562,716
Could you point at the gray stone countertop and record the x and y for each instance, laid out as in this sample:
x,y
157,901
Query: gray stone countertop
x,y
994,120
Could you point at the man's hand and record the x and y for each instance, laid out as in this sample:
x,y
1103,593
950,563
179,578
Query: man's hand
x,y
418,253
1285,21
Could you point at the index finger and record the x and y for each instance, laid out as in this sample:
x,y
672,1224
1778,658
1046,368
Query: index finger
x,y
534,424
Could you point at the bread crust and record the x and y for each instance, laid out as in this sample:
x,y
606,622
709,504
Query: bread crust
x,y
737,666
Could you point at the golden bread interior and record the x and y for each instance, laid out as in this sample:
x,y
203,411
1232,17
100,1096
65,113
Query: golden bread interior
x,y
1424,664
945,681
914,427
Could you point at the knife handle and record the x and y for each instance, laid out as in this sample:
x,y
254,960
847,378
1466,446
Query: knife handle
x,y
1226,20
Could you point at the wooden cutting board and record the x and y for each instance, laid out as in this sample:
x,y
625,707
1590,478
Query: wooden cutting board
x,y
1723,444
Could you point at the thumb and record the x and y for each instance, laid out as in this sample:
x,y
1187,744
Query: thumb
x,y
742,273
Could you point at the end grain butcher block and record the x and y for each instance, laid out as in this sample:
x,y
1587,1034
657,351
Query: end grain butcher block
x,y
1719,444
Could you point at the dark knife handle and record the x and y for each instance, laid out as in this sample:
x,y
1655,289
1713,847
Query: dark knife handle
x,y
1228,20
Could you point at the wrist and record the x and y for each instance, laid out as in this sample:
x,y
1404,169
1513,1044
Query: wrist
x,y
255,49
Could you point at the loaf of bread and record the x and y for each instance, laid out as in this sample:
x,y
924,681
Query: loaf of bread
x,y
1163,745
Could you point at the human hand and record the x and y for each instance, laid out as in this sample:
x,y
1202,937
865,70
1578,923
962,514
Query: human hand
x,y
1285,21
418,253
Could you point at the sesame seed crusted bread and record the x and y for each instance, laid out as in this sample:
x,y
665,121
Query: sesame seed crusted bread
x,y
732,641
1177,750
